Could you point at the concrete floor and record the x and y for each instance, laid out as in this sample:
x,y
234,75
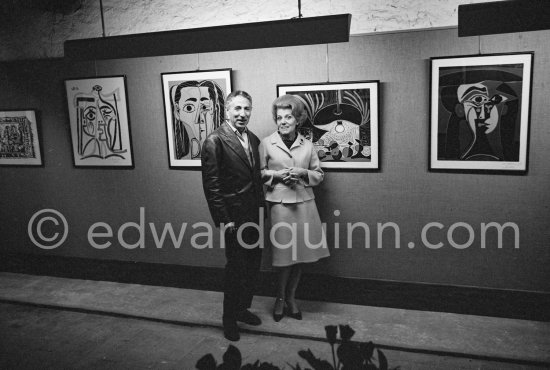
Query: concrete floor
x,y
57,323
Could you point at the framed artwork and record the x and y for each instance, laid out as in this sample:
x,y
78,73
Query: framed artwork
x,y
19,138
342,122
99,121
479,113
193,108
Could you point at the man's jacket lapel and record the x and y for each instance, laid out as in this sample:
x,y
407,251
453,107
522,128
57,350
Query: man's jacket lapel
x,y
233,142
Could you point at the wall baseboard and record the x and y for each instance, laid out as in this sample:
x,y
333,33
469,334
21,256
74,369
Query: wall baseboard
x,y
403,295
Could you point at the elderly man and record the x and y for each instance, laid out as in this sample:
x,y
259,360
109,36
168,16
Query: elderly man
x,y
233,188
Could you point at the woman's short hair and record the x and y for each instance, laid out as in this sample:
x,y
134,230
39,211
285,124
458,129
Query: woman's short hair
x,y
290,102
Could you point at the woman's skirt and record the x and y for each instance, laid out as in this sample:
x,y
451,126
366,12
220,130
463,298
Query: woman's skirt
x,y
296,234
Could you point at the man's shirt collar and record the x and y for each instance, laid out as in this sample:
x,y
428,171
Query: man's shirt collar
x,y
235,130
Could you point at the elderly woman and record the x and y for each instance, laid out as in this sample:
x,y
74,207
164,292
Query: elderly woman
x,y
290,168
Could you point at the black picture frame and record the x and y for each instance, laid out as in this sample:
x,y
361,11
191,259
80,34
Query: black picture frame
x,y
186,132
480,113
20,138
99,121
343,121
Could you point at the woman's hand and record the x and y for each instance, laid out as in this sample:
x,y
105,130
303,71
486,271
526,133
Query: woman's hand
x,y
281,175
295,175
290,175
298,173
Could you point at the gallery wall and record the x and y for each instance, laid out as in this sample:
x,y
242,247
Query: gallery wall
x,y
403,192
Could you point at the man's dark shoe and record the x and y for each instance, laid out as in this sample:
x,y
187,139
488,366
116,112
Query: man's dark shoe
x,y
248,318
231,330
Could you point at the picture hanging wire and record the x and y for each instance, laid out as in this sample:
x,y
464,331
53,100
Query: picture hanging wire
x,y
102,19
198,61
328,69
299,8
102,31
479,45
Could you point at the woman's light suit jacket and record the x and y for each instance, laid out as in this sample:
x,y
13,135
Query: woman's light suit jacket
x,y
274,156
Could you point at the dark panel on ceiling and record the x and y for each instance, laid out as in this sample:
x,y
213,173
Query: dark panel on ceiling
x,y
503,17
300,31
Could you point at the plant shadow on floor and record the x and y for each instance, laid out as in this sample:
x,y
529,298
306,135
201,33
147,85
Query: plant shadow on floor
x,y
349,355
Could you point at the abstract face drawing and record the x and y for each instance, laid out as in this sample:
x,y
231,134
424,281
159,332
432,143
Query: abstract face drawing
x,y
98,125
482,112
196,108
482,125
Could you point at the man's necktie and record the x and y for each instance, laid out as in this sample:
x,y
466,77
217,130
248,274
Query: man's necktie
x,y
249,151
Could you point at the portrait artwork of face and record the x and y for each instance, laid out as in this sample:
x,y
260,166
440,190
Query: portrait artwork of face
x,y
482,117
196,113
98,125
482,112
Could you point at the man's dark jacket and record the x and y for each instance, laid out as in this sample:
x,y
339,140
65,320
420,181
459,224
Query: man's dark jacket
x,y
232,186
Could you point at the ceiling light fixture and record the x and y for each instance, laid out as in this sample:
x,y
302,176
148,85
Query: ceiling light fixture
x,y
503,17
289,32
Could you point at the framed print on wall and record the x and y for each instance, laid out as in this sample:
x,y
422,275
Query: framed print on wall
x,y
19,138
99,121
193,108
342,122
480,112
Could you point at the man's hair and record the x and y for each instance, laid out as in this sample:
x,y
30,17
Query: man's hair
x,y
236,93
290,102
